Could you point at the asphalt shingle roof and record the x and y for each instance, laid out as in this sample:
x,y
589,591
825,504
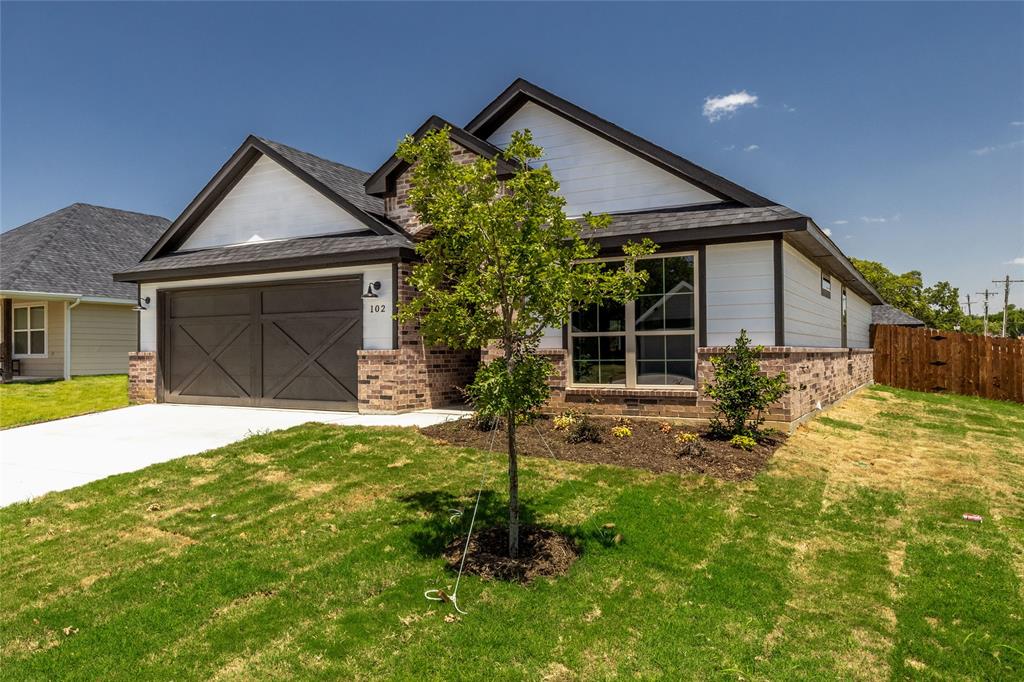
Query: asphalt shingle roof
x,y
887,314
76,250
646,223
258,252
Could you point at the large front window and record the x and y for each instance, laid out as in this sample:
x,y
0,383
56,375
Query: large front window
x,y
646,342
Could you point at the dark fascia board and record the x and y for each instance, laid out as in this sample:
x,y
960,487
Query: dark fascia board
x,y
522,91
386,255
228,176
382,180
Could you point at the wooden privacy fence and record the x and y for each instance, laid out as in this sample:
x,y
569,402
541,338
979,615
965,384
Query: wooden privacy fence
x,y
949,362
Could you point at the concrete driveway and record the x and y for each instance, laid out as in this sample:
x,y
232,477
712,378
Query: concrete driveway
x,y
66,453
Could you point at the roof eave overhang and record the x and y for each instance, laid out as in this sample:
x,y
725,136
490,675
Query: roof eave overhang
x,y
522,91
228,176
61,296
385,255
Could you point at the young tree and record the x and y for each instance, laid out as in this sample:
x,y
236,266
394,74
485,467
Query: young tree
x,y
502,263
741,392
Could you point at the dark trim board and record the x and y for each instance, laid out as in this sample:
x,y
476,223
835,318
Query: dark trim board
x,y
780,292
702,295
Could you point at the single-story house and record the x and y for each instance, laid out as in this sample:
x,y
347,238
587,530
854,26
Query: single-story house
x,y
62,313
277,284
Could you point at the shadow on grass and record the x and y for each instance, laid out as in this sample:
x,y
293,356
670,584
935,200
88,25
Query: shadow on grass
x,y
438,529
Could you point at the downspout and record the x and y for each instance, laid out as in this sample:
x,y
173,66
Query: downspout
x,y
67,336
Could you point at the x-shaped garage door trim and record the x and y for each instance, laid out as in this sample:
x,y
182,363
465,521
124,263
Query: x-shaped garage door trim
x,y
312,359
210,360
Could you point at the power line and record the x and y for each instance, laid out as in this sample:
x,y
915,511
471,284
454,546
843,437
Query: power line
x,y
986,294
1006,295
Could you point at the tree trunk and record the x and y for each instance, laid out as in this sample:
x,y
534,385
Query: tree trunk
x,y
513,490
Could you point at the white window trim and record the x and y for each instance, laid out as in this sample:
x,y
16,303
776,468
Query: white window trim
x,y
30,329
631,384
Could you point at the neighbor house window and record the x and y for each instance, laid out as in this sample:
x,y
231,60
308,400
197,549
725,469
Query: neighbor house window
x,y
646,342
29,330
826,285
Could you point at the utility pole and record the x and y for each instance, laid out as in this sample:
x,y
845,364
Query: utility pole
x,y
1006,295
986,294
969,313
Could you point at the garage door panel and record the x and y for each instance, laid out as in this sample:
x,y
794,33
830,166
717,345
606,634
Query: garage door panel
x,y
283,346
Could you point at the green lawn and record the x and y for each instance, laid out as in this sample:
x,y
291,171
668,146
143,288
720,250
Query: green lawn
x,y
305,553
22,403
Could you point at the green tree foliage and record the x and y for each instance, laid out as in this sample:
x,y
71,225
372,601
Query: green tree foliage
x,y
740,391
502,263
938,305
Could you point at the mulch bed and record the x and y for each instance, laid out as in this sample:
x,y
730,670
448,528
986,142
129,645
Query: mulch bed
x,y
650,447
542,553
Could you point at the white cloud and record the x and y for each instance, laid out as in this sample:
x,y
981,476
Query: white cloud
x,y
788,109
1019,260
840,222
1017,123
716,108
729,148
894,218
827,232
751,147
985,151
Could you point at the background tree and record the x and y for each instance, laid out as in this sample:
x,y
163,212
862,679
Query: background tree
x,y
502,263
938,305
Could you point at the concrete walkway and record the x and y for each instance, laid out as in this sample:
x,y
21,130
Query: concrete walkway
x,y
66,453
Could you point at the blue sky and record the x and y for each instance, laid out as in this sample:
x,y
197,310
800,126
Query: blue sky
x,y
900,128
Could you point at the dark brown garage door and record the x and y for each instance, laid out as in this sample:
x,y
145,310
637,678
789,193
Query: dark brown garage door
x,y
288,345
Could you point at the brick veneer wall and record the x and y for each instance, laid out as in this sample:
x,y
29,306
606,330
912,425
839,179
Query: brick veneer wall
x,y
412,376
395,206
819,376
142,377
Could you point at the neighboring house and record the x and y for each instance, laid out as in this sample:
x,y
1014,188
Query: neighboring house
x,y
62,312
277,285
887,314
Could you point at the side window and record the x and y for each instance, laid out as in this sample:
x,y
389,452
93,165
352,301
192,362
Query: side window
x,y
826,285
29,330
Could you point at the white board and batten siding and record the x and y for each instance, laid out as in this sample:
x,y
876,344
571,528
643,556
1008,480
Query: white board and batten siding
x,y
814,320
740,281
594,174
270,203
377,312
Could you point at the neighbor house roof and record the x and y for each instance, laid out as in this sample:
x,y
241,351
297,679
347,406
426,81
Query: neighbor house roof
x,y
287,254
382,180
341,184
887,314
76,250
522,91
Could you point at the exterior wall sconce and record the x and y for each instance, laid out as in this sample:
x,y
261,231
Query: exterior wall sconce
x,y
143,303
371,289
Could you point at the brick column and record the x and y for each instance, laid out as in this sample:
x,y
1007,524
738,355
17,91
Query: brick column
x,y
142,377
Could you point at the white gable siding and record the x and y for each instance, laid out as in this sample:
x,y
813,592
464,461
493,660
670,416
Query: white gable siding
x,y
858,321
596,175
740,292
269,202
811,319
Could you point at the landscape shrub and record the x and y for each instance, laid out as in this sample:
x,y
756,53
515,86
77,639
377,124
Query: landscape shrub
x,y
690,445
584,431
740,392
565,420
622,431
743,442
